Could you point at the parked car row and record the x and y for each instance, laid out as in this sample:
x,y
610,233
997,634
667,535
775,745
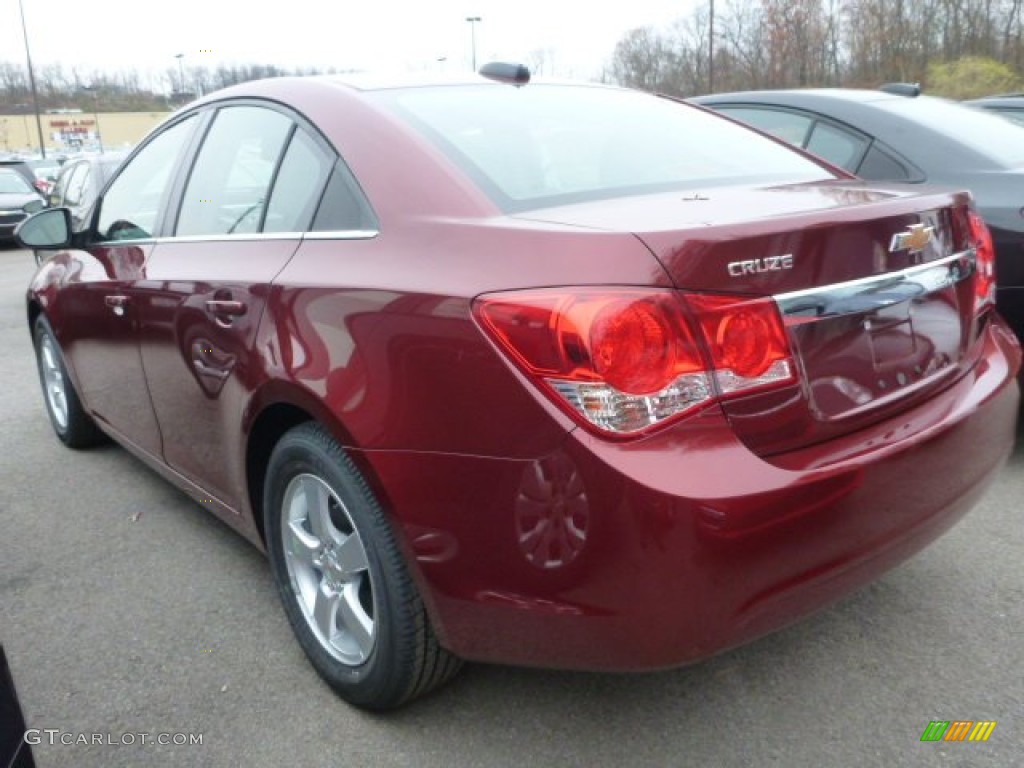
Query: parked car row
x,y
18,200
74,182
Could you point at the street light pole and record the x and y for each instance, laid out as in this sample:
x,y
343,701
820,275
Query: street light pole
x,y
96,114
472,35
181,72
32,81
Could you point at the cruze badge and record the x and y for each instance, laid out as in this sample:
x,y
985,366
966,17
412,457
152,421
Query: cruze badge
x,y
756,266
912,240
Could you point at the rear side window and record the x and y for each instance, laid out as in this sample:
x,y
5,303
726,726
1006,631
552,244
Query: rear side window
x,y
343,207
879,165
132,203
552,144
839,147
230,182
297,186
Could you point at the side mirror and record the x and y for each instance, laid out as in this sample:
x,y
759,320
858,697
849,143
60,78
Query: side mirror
x,y
49,230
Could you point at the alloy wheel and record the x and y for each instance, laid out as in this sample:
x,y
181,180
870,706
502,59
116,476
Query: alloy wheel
x,y
328,569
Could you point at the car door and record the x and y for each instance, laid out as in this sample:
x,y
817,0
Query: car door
x,y
252,191
95,319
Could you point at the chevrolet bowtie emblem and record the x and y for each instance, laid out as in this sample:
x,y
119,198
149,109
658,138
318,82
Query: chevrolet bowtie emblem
x,y
913,239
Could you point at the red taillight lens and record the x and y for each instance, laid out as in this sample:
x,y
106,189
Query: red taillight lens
x,y
747,340
628,359
984,262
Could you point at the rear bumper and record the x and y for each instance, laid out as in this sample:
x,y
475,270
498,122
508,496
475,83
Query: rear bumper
x,y
662,551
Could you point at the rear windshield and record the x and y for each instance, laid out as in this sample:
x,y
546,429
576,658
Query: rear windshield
x,y
553,144
12,184
991,136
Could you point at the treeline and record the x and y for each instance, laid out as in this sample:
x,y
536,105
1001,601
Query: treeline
x,y
124,91
956,48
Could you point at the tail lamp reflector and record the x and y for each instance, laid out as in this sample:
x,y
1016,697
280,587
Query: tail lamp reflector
x,y
625,360
984,261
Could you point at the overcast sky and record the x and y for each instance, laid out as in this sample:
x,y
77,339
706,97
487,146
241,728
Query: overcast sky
x,y
373,34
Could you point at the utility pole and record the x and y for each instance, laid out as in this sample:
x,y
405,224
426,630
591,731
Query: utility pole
x,y
181,74
96,113
472,35
711,49
32,82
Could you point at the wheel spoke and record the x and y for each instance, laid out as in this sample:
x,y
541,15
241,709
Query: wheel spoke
x,y
48,356
352,555
302,546
325,611
318,510
354,619
53,382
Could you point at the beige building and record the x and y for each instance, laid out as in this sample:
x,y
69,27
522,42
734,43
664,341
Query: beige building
x,y
64,131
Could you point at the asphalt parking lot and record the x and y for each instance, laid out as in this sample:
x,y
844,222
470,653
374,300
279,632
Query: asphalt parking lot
x,y
126,609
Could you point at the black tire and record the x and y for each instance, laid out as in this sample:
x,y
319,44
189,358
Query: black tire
x,y
69,420
360,579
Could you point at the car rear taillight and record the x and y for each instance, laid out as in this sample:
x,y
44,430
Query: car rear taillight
x,y
626,360
984,261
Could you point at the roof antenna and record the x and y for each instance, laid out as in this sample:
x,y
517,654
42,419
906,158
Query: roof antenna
x,y
506,72
913,90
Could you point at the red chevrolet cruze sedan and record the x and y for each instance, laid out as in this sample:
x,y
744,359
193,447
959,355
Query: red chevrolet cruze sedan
x,y
541,374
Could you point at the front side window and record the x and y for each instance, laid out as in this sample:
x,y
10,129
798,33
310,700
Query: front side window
x,y
783,124
132,204
228,189
553,144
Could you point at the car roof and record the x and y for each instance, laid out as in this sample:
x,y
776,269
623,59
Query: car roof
x,y
802,95
362,82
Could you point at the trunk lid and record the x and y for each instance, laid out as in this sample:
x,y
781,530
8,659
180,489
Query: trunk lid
x,y
875,286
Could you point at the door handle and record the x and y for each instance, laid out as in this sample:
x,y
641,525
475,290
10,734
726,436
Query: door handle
x,y
117,303
217,374
226,307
